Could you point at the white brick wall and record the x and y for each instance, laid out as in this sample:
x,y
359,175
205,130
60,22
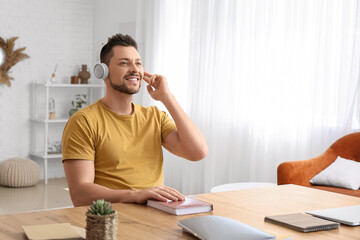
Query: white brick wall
x,y
53,32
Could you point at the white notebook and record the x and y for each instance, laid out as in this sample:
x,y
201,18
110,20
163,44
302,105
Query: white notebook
x,y
345,215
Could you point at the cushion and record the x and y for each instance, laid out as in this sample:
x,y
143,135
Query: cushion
x,y
19,172
342,173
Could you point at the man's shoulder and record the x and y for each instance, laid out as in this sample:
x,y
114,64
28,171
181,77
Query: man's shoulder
x,y
92,107
88,111
150,110
146,109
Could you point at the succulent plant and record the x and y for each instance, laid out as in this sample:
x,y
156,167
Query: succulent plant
x,y
100,207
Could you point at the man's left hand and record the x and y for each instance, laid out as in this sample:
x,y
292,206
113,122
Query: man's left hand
x,y
157,88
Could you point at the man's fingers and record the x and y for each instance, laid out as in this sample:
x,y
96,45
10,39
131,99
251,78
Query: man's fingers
x,y
169,193
160,193
146,79
147,74
149,88
158,197
173,193
150,79
168,196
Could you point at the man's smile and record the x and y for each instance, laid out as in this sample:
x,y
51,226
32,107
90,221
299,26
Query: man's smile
x,y
132,78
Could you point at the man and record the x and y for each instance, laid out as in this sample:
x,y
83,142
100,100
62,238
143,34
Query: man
x,y
112,149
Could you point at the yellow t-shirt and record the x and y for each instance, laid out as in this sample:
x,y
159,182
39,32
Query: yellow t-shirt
x,y
126,150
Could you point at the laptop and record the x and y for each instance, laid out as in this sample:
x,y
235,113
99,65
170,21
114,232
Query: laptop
x,y
345,215
211,227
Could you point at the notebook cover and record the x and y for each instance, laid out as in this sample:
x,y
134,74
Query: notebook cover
x,y
52,231
188,206
302,222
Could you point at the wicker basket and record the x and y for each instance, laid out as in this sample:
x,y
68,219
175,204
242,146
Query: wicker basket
x,y
101,227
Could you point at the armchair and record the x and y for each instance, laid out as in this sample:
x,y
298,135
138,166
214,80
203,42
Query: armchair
x,y
301,172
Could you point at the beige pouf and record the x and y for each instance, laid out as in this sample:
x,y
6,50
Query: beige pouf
x,y
19,172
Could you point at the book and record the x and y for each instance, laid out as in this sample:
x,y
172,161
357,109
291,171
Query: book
x,y
188,206
54,231
302,222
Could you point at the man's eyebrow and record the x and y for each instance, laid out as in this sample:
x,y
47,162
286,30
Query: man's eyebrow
x,y
128,59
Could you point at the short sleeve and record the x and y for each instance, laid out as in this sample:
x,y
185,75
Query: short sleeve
x,y
167,125
77,139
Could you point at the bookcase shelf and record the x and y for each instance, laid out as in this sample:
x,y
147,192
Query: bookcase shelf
x,y
41,116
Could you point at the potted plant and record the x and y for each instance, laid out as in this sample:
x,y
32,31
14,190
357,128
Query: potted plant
x,y
101,221
78,103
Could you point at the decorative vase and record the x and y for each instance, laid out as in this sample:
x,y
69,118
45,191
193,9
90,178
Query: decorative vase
x,y
101,226
51,108
84,74
74,79
72,111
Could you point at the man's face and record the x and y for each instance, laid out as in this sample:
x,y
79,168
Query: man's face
x,y
125,70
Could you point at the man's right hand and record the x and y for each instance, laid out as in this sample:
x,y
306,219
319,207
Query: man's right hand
x,y
160,193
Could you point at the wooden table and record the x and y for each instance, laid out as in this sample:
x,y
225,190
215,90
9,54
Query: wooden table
x,y
249,206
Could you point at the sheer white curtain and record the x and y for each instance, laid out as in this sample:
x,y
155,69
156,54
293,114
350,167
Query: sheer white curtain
x,y
265,81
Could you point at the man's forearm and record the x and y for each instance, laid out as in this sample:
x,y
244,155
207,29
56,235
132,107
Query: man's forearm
x,y
86,193
192,141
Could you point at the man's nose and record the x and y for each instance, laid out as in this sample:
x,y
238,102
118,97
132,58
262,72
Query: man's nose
x,y
134,67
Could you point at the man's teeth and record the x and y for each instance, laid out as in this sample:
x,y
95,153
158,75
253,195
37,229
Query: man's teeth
x,y
132,79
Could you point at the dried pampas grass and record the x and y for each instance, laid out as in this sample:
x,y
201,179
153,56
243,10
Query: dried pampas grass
x,y
11,58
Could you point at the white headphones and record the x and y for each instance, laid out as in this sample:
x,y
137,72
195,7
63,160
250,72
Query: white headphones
x,y
101,70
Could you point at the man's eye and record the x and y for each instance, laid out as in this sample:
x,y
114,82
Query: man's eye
x,y
123,63
139,64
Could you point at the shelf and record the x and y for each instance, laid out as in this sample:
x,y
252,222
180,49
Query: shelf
x,y
64,120
41,118
48,156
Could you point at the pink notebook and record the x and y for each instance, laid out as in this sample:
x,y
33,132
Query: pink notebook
x,y
188,206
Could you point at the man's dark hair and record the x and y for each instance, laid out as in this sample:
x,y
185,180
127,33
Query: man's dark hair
x,y
117,40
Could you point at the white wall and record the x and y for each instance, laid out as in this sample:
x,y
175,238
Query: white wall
x,y
53,32
64,32
112,17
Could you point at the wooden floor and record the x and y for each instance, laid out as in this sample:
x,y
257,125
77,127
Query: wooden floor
x,y
39,197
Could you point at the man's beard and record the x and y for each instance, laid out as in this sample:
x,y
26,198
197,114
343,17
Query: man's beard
x,y
123,88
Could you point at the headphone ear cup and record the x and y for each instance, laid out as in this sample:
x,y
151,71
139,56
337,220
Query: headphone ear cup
x,y
101,70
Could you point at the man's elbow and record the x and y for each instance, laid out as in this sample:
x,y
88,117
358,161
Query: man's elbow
x,y
75,200
200,153
78,200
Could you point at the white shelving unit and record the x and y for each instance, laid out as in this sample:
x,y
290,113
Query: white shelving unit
x,y
46,122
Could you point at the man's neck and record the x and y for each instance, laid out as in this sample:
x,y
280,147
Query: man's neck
x,y
119,103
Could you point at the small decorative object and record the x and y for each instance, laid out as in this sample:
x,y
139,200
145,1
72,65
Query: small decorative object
x,y
51,108
84,74
55,147
52,79
9,58
19,172
101,221
74,79
78,103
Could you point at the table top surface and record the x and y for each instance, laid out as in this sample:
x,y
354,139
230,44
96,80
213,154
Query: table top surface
x,y
249,206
